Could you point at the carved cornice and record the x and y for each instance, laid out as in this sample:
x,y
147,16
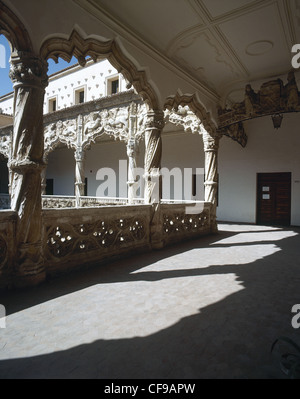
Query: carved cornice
x,y
82,48
272,98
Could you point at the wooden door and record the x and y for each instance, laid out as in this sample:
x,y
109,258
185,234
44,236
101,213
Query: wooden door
x,y
274,199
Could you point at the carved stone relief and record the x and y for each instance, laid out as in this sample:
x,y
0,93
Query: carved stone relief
x,y
273,97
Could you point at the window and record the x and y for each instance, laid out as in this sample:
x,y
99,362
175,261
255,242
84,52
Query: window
x,y
112,85
115,86
79,96
52,106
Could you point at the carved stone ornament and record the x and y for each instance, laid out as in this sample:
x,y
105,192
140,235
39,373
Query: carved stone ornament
x,y
5,143
236,132
28,69
64,132
184,117
273,97
194,105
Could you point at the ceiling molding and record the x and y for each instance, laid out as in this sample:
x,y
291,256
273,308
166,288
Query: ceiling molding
x,y
134,39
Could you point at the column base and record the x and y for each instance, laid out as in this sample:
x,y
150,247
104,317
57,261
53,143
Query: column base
x,y
29,267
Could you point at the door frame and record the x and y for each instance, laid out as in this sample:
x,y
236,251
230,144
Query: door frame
x,y
258,174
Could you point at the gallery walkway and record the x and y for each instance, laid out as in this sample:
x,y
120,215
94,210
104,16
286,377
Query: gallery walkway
x,y
209,308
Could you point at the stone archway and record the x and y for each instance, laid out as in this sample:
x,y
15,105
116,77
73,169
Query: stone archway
x,y
211,138
14,30
81,48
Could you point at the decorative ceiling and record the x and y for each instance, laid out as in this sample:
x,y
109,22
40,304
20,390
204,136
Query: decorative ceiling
x,y
222,44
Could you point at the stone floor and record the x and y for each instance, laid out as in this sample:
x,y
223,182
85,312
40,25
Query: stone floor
x,y
208,308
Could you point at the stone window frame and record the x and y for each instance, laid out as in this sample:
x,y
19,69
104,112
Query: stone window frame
x,y
76,92
108,83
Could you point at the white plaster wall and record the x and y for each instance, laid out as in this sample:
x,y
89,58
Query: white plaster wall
x,y
92,78
183,151
106,155
61,168
111,156
268,151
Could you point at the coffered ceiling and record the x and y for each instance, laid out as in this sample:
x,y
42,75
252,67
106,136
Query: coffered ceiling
x,y
223,44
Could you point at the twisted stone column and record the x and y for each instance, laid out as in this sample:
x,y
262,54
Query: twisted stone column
x,y
153,179
132,179
29,77
153,143
211,147
79,175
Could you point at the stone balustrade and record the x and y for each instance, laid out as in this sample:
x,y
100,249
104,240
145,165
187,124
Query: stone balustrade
x,y
73,238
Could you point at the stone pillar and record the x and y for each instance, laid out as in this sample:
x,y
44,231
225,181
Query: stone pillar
x,y
211,147
153,178
43,176
132,153
29,76
132,182
153,152
79,175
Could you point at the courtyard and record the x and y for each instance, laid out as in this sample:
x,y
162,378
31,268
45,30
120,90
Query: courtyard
x,y
206,308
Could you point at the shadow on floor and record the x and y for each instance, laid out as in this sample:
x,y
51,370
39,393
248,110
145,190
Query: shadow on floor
x,y
228,339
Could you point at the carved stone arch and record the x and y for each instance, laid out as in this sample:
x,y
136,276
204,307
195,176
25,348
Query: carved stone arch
x,y
173,102
94,48
14,30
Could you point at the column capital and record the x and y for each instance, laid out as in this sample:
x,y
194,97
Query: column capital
x,y
79,155
155,120
211,143
28,69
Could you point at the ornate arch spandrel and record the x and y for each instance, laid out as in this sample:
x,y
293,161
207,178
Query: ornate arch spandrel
x,y
173,102
14,30
81,48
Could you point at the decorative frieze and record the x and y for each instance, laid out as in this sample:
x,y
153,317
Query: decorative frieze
x,y
272,98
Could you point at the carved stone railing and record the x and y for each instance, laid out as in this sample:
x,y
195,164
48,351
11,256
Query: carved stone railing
x,y
73,238
7,248
183,221
62,201
99,201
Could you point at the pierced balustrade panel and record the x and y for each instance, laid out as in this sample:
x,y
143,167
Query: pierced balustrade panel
x,y
182,221
76,237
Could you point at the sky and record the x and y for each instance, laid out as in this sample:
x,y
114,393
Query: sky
x,y
5,82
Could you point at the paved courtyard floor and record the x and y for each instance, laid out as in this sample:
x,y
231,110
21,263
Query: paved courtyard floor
x,y
207,308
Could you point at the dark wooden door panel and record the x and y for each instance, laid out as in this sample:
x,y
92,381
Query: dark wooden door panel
x,y
274,198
